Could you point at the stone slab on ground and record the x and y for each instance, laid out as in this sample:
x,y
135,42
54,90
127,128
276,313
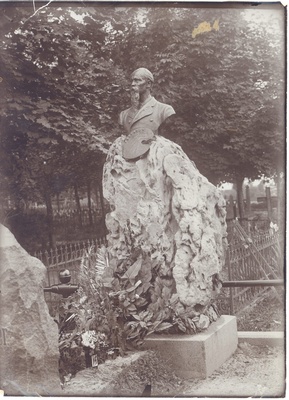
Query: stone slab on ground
x,y
198,356
29,337
99,381
262,338
124,376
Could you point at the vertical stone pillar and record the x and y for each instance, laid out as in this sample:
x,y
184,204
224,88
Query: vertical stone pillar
x,y
230,208
269,203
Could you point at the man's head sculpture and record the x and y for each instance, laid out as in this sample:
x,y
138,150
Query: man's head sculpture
x,y
142,120
141,84
145,73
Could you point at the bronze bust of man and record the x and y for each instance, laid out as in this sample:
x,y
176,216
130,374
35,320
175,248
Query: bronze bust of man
x,y
142,120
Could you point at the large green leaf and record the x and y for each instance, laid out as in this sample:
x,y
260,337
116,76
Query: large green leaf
x,y
163,326
133,270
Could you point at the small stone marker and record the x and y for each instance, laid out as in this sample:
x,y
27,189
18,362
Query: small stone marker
x,y
28,335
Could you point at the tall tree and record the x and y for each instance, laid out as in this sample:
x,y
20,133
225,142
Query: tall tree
x,y
223,70
65,72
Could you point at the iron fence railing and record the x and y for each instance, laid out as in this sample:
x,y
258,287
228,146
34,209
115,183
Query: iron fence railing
x,y
255,256
257,259
66,256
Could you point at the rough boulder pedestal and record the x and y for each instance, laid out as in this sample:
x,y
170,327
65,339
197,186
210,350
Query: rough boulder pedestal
x,y
29,336
164,206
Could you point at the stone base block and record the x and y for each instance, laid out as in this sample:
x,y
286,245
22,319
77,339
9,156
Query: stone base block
x,y
198,356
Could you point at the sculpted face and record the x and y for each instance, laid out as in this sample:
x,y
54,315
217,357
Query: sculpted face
x,y
140,83
140,88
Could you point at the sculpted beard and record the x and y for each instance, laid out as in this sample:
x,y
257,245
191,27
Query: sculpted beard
x,y
134,97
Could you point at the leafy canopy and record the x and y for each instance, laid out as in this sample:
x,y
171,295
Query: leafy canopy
x,y
65,74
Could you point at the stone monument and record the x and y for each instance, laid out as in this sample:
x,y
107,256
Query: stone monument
x,y
29,336
162,204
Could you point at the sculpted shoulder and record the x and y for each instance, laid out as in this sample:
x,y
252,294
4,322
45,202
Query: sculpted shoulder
x,y
151,116
123,115
165,110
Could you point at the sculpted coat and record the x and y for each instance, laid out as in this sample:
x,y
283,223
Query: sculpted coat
x,y
150,115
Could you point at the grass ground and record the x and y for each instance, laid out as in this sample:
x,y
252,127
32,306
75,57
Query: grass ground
x,y
266,313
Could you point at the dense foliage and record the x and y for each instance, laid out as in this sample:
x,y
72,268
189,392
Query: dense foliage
x,y
115,308
65,74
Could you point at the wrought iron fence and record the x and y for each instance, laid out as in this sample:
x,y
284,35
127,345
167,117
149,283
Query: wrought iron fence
x,y
253,257
67,256
72,218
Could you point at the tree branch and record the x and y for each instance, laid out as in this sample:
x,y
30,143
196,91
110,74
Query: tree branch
x,y
36,11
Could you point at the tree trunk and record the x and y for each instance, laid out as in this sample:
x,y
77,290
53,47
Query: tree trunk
x,y
58,202
49,214
96,191
89,202
248,201
103,226
280,200
240,197
78,207
281,211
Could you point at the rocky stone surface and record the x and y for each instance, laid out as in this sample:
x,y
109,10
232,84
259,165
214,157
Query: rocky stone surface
x,y
125,376
29,336
164,206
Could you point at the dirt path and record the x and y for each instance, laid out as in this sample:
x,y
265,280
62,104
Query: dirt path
x,y
252,371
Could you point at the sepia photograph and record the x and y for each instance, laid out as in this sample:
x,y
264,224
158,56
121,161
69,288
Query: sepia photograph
x,y
142,186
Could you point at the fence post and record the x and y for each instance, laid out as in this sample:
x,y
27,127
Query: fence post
x,y
65,255
230,278
45,260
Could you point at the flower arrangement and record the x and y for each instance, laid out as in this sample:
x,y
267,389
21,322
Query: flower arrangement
x,y
117,305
